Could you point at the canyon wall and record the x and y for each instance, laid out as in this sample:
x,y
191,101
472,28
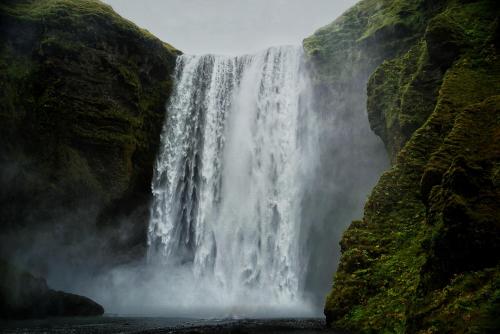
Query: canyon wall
x,y
83,95
424,257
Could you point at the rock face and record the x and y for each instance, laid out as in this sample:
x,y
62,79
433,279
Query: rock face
x,y
24,296
424,258
82,98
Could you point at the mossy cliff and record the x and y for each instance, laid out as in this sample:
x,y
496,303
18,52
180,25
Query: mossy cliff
x,y
425,257
82,97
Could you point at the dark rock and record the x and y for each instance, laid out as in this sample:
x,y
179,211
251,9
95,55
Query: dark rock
x,y
465,212
24,296
445,40
430,178
82,102
425,258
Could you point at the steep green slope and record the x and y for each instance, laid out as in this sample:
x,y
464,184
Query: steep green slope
x,y
425,256
366,35
82,98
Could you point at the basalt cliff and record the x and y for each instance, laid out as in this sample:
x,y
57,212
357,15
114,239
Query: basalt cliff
x,y
424,258
82,97
82,102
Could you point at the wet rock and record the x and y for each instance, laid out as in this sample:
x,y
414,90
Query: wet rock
x,y
24,296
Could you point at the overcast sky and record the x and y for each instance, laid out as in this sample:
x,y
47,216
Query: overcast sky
x,y
230,26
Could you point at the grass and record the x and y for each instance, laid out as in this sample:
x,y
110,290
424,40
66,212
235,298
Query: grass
x,y
431,100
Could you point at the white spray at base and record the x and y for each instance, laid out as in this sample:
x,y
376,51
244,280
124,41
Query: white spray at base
x,y
237,147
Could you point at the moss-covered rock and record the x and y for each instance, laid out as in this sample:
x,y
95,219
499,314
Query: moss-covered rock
x,y
425,256
401,95
82,98
23,296
367,34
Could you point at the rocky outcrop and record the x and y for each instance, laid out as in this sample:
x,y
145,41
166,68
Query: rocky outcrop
x,y
24,296
82,98
424,258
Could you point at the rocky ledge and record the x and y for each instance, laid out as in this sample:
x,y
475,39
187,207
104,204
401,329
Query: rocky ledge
x,y
25,296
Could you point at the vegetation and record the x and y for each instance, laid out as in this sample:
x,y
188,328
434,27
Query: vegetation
x,y
385,27
82,97
82,103
424,259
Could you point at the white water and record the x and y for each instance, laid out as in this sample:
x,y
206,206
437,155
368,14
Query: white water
x,y
236,150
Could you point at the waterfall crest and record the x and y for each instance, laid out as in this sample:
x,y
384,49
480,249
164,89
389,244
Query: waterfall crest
x,y
229,177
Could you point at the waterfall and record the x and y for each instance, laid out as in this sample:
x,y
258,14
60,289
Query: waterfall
x,y
228,180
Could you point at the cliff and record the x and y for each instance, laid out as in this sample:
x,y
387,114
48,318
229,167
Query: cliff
x,y
82,97
424,258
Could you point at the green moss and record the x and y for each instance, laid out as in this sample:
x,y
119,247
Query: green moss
x,y
401,95
469,304
81,107
421,259
364,36
402,14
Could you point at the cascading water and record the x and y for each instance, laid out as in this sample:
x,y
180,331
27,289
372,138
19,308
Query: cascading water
x,y
229,178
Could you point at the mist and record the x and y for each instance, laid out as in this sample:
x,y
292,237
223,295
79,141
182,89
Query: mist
x,y
230,27
199,273
302,203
